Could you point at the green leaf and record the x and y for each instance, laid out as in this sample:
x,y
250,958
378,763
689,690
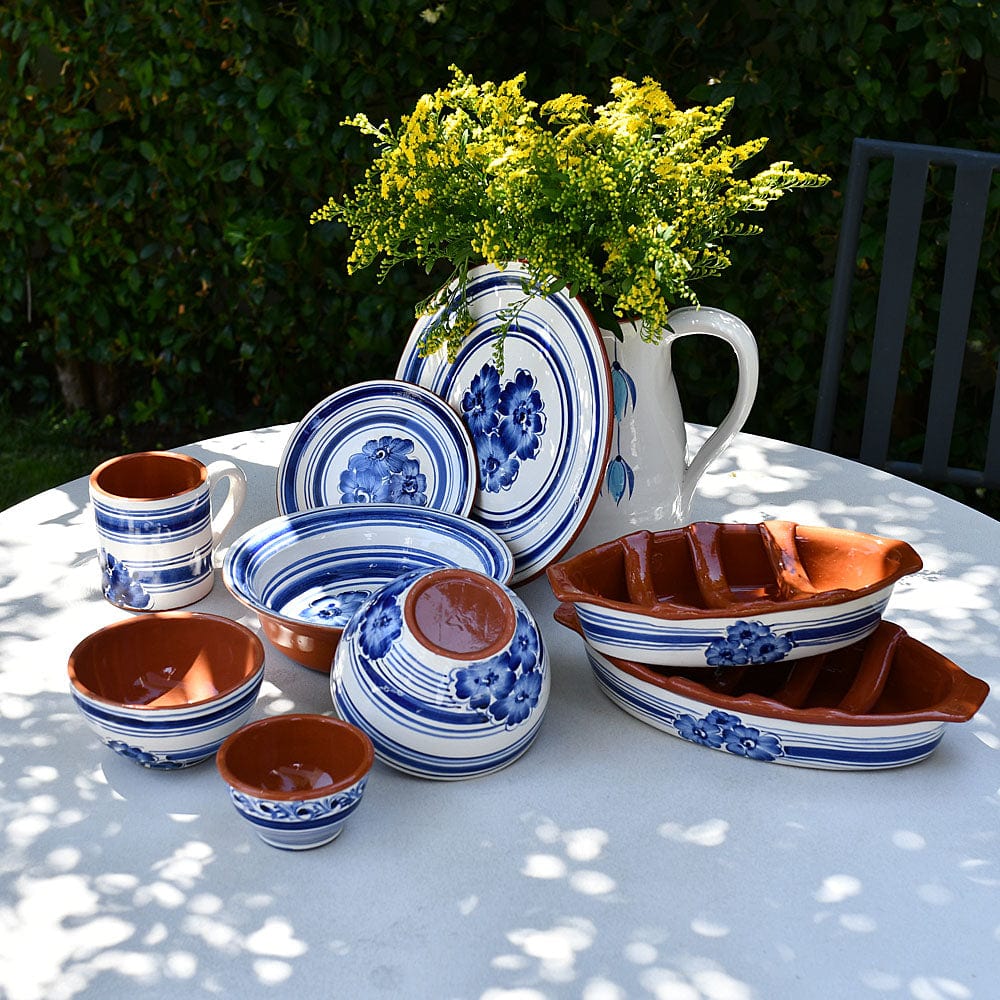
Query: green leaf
x,y
266,95
231,170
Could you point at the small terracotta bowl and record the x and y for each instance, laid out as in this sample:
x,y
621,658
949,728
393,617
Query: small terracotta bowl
x,y
446,671
165,689
296,778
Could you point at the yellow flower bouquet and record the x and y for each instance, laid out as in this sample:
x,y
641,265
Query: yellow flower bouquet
x,y
627,203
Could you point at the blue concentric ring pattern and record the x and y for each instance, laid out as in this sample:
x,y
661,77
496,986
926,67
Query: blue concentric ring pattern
x,y
170,738
295,562
541,427
381,441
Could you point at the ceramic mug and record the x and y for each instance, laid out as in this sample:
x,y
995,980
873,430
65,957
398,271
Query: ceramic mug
x,y
155,529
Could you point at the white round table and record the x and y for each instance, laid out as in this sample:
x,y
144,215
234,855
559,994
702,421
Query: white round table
x,y
610,861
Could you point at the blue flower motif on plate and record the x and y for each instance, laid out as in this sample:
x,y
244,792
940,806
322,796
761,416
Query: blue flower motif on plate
x,y
724,731
522,419
506,424
120,587
384,471
748,642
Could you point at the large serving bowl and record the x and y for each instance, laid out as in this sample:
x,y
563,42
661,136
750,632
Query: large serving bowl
x,y
306,573
165,689
728,595
881,702
446,671
297,778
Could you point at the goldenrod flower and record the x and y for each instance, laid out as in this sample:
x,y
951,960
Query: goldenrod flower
x,y
627,203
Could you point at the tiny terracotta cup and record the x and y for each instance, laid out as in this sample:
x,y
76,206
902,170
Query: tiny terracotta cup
x,y
296,778
155,530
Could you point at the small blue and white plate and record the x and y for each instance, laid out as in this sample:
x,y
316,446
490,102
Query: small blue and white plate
x,y
383,441
541,427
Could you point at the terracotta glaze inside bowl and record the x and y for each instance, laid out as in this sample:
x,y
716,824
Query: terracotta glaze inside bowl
x,y
704,568
165,660
713,595
296,756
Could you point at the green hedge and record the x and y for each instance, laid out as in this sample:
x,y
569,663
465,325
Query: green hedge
x,y
159,161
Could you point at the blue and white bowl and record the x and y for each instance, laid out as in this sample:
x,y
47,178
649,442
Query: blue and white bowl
x,y
296,779
447,673
306,573
165,689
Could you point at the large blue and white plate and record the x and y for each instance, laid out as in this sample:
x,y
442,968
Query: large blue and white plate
x,y
541,427
382,441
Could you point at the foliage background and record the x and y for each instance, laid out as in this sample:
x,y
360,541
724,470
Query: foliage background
x,y
159,162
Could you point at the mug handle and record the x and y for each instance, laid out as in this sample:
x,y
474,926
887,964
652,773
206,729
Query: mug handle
x,y
235,496
688,321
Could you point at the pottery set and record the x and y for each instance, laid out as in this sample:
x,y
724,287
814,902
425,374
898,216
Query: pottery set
x,y
409,508
765,641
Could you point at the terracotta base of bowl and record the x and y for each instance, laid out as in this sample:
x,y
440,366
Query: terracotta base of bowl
x,y
311,646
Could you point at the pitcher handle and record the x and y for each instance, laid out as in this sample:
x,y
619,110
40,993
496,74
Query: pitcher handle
x,y
226,514
688,321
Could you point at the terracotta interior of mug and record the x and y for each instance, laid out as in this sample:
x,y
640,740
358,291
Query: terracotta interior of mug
x,y
148,475
165,660
295,756
461,614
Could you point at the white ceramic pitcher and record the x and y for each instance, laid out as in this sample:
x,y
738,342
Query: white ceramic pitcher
x,y
648,481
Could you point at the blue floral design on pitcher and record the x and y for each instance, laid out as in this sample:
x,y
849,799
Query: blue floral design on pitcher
x,y
384,472
620,476
506,424
748,642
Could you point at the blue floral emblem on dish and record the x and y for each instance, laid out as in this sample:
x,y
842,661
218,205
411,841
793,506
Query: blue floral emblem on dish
x,y
120,587
382,626
506,424
144,757
384,471
748,642
507,686
724,731
336,608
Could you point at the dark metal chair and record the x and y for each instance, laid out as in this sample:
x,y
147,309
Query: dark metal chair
x,y
972,207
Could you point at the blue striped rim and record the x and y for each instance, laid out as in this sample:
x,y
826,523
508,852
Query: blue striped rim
x,y
352,533
607,628
539,526
374,409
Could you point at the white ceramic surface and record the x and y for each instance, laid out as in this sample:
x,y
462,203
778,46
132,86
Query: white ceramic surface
x,y
649,480
381,441
541,427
